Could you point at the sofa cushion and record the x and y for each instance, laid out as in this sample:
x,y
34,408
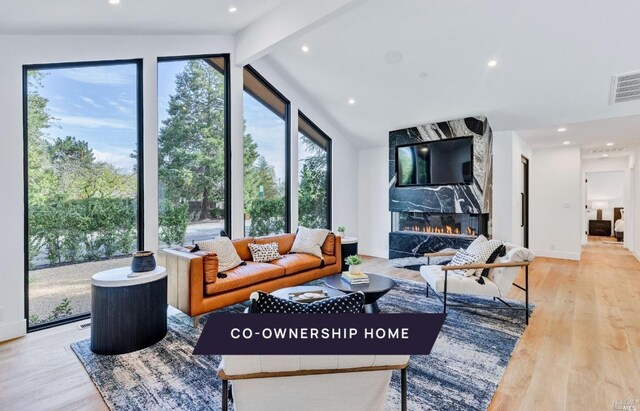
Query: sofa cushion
x,y
309,241
285,241
263,303
245,275
228,257
329,245
242,247
295,263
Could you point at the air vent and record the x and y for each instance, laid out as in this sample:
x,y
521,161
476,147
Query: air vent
x,y
625,87
607,150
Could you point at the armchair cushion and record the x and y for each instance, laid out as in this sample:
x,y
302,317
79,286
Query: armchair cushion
x,y
457,283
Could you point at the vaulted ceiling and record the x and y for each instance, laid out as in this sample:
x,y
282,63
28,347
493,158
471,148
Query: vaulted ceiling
x,y
402,62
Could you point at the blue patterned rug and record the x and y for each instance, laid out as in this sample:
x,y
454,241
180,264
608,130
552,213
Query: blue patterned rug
x,y
462,372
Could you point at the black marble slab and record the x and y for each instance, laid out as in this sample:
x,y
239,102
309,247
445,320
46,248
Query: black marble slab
x,y
404,244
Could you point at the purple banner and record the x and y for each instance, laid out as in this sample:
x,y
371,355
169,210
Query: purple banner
x,y
319,334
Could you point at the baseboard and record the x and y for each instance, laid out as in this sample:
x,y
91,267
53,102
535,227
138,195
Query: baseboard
x,y
13,330
636,255
373,252
563,255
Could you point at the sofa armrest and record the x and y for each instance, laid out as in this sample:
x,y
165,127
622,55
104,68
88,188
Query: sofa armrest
x,y
185,280
441,254
338,251
484,265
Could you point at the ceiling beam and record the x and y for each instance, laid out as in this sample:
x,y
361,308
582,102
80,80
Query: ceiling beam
x,y
290,20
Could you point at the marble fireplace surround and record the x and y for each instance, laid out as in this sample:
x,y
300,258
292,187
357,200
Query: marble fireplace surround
x,y
475,198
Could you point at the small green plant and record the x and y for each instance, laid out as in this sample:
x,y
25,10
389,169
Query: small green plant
x,y
341,229
353,260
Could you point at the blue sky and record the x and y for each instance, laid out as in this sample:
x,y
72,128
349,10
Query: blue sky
x,y
97,105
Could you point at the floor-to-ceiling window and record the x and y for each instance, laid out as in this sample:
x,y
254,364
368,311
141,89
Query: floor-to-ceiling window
x,y
193,149
83,179
266,157
314,175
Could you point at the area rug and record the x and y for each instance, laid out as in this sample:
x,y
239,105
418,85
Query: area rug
x,y
462,372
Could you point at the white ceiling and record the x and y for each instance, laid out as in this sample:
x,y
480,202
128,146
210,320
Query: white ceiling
x,y
623,132
555,62
130,16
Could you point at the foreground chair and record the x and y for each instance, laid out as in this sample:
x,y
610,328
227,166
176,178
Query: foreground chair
x,y
310,382
501,277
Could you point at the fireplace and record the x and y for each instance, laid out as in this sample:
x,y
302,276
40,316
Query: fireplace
x,y
441,224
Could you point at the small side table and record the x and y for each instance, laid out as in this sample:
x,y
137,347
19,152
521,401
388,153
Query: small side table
x,y
349,247
128,310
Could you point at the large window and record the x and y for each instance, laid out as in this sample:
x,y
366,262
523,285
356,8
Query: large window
x,y
314,175
266,157
193,149
82,140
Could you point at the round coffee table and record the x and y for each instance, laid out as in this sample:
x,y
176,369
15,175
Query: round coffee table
x,y
284,292
378,286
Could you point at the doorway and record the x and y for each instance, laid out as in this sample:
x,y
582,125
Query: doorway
x,y
524,203
604,208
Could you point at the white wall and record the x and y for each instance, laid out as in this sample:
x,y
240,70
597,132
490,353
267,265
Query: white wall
x,y
556,203
374,218
508,149
20,50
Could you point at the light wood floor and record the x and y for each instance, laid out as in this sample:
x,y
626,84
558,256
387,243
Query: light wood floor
x,y
581,350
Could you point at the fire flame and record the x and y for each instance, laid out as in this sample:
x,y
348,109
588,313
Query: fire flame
x,y
439,230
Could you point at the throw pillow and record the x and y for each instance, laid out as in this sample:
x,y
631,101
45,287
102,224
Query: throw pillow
x,y
309,241
263,253
263,303
483,251
462,257
500,251
228,257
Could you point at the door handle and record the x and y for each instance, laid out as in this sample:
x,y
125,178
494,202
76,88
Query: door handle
x,y
522,209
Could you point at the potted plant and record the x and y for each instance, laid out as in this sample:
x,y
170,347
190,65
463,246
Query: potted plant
x,y
341,231
354,262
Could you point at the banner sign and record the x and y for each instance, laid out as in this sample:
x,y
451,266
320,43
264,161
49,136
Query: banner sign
x,y
319,334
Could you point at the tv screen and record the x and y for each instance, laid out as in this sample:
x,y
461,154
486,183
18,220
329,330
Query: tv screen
x,y
438,162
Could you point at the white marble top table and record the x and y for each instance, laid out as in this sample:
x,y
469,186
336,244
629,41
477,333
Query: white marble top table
x,y
349,240
124,277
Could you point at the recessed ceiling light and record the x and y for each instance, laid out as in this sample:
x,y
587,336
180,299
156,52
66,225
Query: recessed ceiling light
x,y
562,129
305,49
114,1
566,143
492,63
352,101
605,155
422,75
609,144
393,57
233,9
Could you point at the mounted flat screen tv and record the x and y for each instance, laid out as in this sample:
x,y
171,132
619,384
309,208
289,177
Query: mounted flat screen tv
x,y
438,162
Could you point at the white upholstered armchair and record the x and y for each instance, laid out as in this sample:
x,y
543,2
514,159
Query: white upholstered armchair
x,y
310,382
502,274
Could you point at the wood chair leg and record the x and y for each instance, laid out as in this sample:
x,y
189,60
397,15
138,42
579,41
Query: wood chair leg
x,y
196,321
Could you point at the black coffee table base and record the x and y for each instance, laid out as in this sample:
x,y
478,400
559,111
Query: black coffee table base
x,y
378,286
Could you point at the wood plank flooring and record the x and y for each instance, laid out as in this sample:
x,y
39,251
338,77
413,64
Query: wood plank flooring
x,y
581,350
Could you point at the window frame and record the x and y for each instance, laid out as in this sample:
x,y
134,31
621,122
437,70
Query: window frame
x,y
227,126
25,152
329,143
287,120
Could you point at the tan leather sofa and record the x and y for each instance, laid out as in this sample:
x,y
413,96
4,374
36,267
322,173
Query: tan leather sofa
x,y
195,289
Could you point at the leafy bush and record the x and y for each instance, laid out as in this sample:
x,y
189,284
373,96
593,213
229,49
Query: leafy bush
x,y
267,216
174,219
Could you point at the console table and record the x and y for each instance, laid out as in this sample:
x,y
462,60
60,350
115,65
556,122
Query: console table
x,y
128,310
349,247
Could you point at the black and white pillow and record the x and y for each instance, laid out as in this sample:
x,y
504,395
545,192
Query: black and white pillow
x,y
483,250
263,253
263,303
463,257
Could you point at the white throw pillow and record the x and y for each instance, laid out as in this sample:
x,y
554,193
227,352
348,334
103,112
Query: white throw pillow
x,y
463,257
228,257
309,241
483,250
263,253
